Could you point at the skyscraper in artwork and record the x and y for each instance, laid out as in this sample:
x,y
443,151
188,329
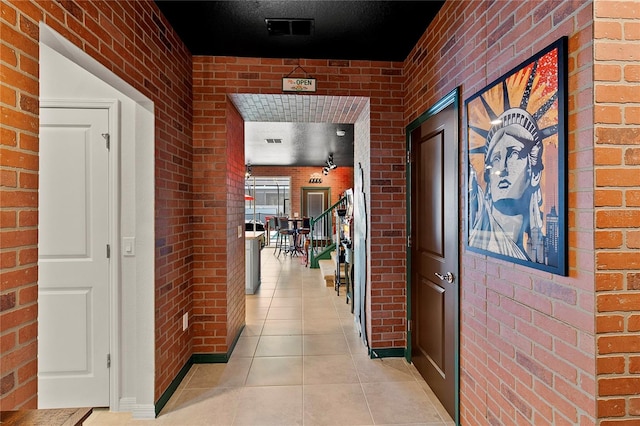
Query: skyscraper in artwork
x,y
552,238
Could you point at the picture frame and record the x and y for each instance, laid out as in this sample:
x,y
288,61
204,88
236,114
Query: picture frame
x,y
516,171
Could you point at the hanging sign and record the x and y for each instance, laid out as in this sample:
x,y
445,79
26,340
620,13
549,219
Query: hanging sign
x,y
295,84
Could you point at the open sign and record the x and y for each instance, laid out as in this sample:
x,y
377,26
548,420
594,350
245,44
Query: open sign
x,y
293,84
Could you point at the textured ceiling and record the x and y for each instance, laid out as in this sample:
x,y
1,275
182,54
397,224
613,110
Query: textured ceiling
x,y
299,108
305,125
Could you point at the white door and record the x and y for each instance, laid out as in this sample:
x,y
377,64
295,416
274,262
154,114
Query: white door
x,y
73,265
316,205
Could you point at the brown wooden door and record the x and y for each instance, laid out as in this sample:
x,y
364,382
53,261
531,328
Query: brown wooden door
x,y
434,253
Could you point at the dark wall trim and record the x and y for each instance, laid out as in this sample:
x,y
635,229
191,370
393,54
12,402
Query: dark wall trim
x,y
386,353
194,359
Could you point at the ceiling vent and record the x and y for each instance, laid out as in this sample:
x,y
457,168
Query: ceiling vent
x,y
290,27
273,140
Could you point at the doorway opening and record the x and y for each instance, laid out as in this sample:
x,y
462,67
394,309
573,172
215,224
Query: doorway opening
x,y
266,198
433,265
292,112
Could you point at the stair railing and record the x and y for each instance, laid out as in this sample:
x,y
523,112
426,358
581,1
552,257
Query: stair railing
x,y
322,234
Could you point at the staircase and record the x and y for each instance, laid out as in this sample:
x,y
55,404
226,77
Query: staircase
x,y
322,234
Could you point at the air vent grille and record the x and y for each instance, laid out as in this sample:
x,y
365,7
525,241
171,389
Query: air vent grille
x,y
273,140
289,27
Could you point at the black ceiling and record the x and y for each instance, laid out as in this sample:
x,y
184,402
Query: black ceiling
x,y
364,30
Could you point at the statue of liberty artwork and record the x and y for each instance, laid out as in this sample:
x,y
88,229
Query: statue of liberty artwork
x,y
516,165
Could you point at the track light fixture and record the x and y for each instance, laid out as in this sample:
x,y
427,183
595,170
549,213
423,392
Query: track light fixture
x,y
330,164
247,170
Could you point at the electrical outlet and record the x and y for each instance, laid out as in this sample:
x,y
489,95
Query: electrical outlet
x,y
185,321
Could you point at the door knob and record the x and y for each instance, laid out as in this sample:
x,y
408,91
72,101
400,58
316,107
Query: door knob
x,y
448,277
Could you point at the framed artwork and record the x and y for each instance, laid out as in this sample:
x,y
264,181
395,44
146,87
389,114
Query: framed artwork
x,y
516,164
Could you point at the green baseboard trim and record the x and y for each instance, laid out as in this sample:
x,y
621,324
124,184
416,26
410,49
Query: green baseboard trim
x,y
235,342
209,358
217,358
195,359
387,353
159,405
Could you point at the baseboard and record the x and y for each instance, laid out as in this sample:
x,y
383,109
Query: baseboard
x,y
217,358
195,359
127,404
138,411
173,386
235,342
144,412
387,353
209,358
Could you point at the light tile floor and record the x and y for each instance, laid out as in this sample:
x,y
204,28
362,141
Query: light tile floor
x,y
299,361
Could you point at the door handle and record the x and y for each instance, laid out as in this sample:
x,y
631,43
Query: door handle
x,y
448,277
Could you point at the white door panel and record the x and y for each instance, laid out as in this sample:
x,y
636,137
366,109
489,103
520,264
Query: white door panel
x,y
64,192
73,283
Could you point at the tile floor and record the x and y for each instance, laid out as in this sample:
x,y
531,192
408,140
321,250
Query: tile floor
x,y
299,361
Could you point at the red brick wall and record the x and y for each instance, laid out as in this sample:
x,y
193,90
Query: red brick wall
x,y
215,77
210,229
338,180
235,215
527,337
132,40
617,209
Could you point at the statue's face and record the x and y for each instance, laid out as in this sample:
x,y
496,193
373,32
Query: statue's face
x,y
508,164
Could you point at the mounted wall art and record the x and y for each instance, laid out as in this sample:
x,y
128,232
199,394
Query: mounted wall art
x,y
516,164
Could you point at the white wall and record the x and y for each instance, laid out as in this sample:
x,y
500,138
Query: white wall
x,y
66,73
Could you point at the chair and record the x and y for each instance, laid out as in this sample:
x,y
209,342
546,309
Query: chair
x,y
285,233
303,232
276,228
272,226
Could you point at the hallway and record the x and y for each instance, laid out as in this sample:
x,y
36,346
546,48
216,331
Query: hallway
x,y
299,361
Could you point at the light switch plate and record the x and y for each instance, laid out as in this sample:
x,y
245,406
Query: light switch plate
x,y
129,246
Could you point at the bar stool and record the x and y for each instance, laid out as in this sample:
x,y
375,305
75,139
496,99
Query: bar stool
x,y
276,228
272,225
303,232
285,233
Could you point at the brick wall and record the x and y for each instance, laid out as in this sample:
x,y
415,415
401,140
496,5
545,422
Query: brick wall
x,y
527,337
235,299
215,77
132,40
617,209
339,180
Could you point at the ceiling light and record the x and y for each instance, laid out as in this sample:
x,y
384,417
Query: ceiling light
x,y
340,132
